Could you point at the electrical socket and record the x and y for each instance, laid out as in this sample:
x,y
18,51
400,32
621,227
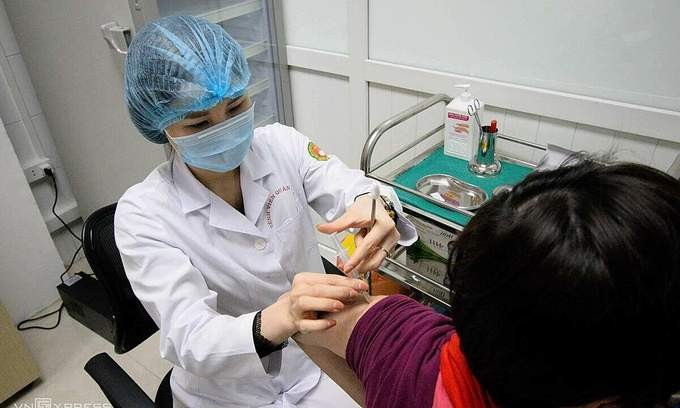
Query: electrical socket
x,y
37,171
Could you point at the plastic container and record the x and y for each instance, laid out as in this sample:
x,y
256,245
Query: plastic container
x,y
461,133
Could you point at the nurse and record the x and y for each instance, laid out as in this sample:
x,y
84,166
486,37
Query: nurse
x,y
217,242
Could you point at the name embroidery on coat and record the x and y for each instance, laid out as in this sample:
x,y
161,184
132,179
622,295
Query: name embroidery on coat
x,y
270,201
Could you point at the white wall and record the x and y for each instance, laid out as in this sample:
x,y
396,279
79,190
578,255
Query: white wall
x,y
31,138
80,88
320,104
621,50
80,125
29,262
320,111
378,90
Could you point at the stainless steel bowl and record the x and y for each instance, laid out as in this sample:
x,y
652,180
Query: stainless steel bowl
x,y
452,192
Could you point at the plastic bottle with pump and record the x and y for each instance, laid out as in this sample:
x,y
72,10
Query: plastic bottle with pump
x,y
461,133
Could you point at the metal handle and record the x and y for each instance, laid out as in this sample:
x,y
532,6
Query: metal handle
x,y
377,133
117,36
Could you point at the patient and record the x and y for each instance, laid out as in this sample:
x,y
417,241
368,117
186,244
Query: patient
x,y
565,292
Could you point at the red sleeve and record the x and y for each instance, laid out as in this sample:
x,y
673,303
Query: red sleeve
x,y
395,349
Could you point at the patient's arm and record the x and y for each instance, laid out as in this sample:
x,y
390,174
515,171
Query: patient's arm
x,y
327,348
336,338
393,345
338,370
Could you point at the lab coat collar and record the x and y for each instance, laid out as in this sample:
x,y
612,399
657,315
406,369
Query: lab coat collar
x,y
226,217
222,215
192,194
254,165
254,168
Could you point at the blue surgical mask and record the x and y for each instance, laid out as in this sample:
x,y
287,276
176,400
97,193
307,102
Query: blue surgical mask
x,y
220,148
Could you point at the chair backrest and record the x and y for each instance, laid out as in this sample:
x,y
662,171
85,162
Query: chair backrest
x,y
131,323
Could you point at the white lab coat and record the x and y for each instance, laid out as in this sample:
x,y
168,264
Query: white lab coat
x,y
202,269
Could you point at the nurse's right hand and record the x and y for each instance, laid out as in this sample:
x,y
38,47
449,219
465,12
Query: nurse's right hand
x,y
298,309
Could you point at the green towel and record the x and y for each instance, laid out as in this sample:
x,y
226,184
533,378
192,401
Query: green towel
x,y
438,163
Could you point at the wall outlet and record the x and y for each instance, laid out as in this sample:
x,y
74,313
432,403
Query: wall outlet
x,y
37,171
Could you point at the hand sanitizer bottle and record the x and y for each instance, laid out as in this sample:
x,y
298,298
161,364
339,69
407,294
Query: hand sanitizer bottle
x,y
461,132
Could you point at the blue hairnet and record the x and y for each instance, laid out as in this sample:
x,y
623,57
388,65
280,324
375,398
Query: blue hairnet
x,y
177,65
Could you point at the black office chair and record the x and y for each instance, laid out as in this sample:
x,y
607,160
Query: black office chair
x,y
131,323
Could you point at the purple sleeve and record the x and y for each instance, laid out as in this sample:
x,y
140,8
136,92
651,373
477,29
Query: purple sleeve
x,y
394,350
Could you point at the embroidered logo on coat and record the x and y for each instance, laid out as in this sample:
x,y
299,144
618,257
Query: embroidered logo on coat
x,y
270,201
316,152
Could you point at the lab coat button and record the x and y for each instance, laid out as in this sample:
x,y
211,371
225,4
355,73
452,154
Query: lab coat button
x,y
260,244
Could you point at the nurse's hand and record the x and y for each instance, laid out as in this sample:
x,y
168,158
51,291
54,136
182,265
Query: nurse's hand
x,y
298,309
373,246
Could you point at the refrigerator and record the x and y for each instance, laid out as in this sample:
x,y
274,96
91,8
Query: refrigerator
x,y
258,27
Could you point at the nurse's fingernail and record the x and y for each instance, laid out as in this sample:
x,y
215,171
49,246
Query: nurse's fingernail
x,y
338,305
331,323
358,286
353,293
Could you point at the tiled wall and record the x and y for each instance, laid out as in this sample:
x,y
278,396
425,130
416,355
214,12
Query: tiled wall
x,y
387,101
29,133
579,137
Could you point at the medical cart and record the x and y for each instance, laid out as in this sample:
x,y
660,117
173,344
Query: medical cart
x,y
422,266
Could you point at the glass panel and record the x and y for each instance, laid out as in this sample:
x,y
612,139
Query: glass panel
x,y
318,24
247,22
213,10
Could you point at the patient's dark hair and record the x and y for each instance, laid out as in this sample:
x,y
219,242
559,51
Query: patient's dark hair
x,y
566,290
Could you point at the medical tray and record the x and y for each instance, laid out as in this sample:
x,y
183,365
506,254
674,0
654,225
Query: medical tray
x,y
435,162
431,161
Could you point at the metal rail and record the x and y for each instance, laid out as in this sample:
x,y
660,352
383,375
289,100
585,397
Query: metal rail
x,y
522,142
388,124
412,278
407,147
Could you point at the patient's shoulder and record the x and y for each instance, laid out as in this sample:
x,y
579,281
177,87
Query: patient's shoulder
x,y
394,349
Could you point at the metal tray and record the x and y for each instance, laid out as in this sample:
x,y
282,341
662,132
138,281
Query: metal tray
x,y
452,192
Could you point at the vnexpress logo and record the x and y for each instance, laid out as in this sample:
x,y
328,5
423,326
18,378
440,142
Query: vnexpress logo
x,y
43,403
48,403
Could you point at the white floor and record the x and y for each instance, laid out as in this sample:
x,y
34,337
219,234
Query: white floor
x,y
62,353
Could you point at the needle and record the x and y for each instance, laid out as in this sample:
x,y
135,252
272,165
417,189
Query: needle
x,y
372,212
355,274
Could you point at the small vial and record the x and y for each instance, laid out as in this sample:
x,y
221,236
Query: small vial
x,y
341,253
